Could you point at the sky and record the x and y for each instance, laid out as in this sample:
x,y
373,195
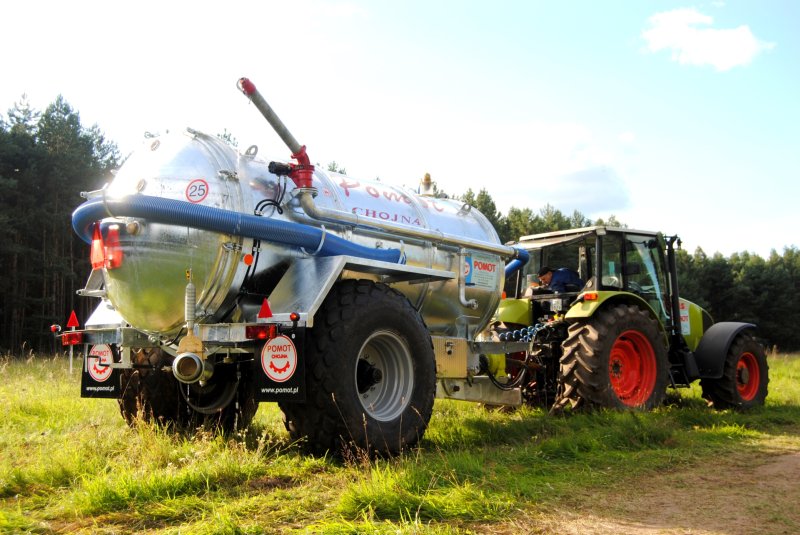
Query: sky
x,y
682,117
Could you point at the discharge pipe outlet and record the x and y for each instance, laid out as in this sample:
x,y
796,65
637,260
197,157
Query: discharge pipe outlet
x,y
249,89
306,194
302,173
189,368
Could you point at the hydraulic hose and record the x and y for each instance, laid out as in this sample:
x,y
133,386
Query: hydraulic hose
x,y
180,213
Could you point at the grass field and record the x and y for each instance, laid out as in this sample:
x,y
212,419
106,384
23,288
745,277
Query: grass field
x,y
69,465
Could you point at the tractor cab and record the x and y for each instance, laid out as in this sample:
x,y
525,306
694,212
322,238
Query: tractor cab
x,y
606,260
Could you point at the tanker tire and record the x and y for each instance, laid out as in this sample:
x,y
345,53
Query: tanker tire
x,y
745,377
153,395
615,359
351,409
150,395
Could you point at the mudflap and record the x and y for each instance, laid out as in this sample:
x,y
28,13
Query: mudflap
x,y
98,378
281,373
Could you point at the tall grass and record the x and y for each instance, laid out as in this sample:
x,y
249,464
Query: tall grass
x,y
70,465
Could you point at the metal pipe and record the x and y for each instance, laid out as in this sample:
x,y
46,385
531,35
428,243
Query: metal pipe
x,y
189,368
328,215
462,284
675,302
249,89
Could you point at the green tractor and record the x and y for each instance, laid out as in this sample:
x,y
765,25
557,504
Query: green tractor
x,y
621,335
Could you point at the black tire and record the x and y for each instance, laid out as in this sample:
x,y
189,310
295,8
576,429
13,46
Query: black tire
x,y
615,359
745,376
370,374
152,394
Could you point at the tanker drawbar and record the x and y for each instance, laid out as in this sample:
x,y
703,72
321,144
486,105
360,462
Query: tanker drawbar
x,y
226,280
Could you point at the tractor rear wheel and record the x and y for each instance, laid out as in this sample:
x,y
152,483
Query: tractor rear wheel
x,y
745,376
370,374
150,394
615,359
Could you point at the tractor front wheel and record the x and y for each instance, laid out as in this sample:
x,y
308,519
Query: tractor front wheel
x,y
615,359
745,376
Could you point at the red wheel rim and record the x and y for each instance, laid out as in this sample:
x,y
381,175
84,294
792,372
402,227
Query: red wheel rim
x,y
748,376
632,368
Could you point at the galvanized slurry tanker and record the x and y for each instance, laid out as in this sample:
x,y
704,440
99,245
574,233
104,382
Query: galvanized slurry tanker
x,y
226,281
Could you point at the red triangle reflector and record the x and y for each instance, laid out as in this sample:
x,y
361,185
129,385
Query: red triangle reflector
x,y
265,311
73,320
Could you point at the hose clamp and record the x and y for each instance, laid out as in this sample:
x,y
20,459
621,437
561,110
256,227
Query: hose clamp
x,y
319,247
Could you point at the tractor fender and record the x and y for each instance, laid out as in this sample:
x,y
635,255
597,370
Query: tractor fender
x,y
714,345
586,308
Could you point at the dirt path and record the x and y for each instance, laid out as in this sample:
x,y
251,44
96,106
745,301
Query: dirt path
x,y
742,494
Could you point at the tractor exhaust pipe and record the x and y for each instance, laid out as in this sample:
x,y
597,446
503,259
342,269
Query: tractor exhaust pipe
x,y
188,368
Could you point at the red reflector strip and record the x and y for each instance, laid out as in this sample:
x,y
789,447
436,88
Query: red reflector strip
x,y
71,338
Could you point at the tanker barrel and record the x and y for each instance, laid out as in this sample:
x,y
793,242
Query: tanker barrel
x,y
249,89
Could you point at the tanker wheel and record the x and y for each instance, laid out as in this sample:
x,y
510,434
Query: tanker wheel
x,y
615,359
745,376
154,395
370,374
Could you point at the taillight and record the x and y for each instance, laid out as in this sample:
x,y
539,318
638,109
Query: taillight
x,y
113,250
106,253
71,338
260,332
98,253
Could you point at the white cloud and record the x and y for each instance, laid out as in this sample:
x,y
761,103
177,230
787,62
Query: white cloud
x,y
683,33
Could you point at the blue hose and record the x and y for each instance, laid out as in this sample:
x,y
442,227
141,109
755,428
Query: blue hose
x,y
184,214
521,259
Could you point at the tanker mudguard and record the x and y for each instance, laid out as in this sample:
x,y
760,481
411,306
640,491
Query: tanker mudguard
x,y
713,348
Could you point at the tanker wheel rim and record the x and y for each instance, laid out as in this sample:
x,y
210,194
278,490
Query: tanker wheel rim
x,y
632,368
384,375
748,376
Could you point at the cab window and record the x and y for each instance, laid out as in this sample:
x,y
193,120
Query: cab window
x,y
644,271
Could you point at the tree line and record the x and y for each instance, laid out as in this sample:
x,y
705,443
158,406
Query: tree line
x,y
48,158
